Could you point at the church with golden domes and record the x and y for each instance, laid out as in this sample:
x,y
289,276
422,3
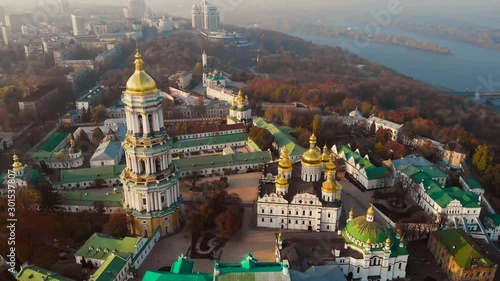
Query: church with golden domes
x,y
240,111
150,180
303,196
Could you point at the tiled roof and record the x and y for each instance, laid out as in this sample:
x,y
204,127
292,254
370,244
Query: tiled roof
x,y
372,171
464,250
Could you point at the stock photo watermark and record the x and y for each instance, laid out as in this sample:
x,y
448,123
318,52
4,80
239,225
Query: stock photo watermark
x,y
11,221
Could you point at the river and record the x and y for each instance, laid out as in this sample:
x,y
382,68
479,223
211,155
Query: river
x,y
465,68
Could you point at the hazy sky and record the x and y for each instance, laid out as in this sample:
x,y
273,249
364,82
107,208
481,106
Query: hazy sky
x,y
481,11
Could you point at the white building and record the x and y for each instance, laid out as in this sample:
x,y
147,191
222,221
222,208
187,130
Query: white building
x,y
182,78
393,129
205,16
492,226
108,153
426,187
292,203
220,93
116,257
364,250
78,24
362,170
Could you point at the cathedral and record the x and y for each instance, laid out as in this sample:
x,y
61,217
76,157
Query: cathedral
x,y
150,180
301,197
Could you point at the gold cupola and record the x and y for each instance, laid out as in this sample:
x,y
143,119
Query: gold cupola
x,y
281,182
311,157
17,165
240,99
330,165
370,211
284,163
325,157
328,185
140,83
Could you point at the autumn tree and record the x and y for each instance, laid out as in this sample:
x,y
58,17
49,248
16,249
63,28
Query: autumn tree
x,y
97,136
316,125
99,207
191,179
98,114
117,225
49,197
482,158
229,221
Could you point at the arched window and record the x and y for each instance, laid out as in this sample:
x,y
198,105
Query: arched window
x,y
158,165
142,166
141,127
150,122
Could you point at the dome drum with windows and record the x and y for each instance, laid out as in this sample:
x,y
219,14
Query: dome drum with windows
x,y
363,232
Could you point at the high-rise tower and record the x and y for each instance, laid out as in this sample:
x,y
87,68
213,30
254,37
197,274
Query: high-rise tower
x,y
151,180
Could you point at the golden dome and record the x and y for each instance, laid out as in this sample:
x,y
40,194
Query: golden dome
x,y
240,99
368,243
284,163
281,181
388,241
328,186
330,165
311,157
140,82
17,165
370,211
351,213
325,158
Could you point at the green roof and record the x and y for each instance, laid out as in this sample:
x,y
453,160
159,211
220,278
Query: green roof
x,y
495,219
182,265
218,161
443,196
362,230
432,171
100,246
110,268
248,264
473,183
221,139
87,198
35,273
464,250
169,276
90,174
52,142
372,171
281,136
97,91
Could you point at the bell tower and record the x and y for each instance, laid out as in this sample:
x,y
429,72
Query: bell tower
x,y
150,180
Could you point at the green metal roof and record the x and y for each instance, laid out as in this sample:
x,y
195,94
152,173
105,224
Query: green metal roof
x,y
169,276
443,196
221,139
464,250
110,268
100,246
281,136
90,174
218,161
432,171
35,273
495,219
77,198
182,265
473,183
361,229
372,171
52,142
